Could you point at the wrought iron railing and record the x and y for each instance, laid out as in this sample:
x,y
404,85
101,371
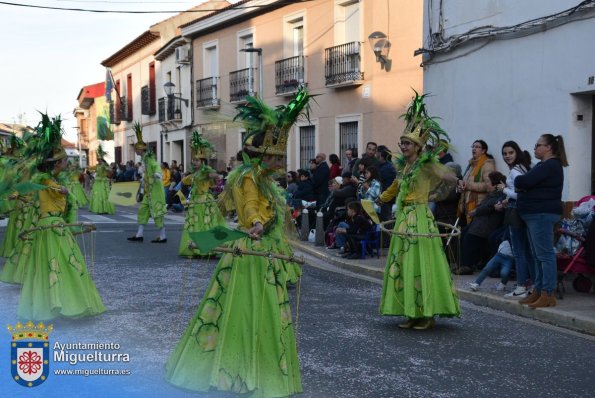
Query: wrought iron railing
x,y
124,114
241,84
206,92
343,64
289,74
170,108
147,103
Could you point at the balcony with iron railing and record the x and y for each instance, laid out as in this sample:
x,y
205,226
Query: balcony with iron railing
x,y
241,84
170,108
342,66
206,93
289,75
147,102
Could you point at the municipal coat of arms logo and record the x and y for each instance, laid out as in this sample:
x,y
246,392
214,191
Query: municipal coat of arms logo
x,y
30,353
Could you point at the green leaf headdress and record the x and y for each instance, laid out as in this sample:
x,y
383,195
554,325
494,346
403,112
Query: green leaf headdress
x,y
49,144
100,152
258,117
421,128
201,148
138,131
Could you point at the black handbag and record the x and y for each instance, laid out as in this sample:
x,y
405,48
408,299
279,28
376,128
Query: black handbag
x,y
512,218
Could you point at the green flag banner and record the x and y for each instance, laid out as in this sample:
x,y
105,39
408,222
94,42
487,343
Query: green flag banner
x,y
207,240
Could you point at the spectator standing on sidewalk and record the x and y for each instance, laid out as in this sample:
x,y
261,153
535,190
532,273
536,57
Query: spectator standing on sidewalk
x,y
387,175
539,204
519,162
335,170
320,177
351,156
371,148
474,185
417,280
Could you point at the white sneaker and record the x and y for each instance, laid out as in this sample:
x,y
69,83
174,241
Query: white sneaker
x,y
473,286
500,287
519,292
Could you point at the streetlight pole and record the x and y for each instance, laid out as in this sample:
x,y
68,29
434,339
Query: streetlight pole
x,y
78,131
259,51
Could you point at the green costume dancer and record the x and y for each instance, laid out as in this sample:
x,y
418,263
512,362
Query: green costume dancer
x,y
153,203
74,185
99,202
241,338
203,212
10,206
58,283
417,279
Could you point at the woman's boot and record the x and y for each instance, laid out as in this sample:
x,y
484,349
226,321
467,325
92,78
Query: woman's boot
x,y
533,297
545,300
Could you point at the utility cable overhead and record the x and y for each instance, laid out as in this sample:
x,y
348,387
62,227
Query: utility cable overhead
x,y
239,7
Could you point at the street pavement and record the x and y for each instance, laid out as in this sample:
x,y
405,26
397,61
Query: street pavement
x,y
346,349
576,311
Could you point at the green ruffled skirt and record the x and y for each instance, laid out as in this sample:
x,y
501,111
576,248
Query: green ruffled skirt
x,y
241,338
417,279
76,189
13,229
99,202
203,214
20,259
59,283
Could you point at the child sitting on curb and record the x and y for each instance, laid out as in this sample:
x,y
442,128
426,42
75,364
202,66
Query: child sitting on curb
x,y
351,231
503,260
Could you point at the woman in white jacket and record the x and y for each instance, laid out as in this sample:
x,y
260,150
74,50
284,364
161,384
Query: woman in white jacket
x,y
519,162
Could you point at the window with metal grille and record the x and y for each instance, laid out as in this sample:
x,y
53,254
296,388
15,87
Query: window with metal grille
x,y
348,134
307,145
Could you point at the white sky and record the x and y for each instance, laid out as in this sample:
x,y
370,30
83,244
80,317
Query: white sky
x,y
49,55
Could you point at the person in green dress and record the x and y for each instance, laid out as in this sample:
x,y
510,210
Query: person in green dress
x,y
58,282
203,212
99,202
417,279
153,202
74,185
241,338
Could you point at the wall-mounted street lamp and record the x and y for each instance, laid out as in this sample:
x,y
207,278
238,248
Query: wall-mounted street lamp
x,y
381,47
169,89
259,51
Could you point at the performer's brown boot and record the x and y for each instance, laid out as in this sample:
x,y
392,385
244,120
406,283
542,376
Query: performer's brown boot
x,y
545,300
530,298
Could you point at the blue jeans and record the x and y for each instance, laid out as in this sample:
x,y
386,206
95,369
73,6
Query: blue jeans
x,y
540,230
501,261
341,239
523,259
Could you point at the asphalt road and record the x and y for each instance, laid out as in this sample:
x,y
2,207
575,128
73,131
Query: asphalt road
x,y
346,348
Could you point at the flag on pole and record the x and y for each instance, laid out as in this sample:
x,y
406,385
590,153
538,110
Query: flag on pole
x,y
109,84
207,240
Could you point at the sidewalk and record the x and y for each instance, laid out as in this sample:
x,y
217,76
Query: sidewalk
x,y
575,312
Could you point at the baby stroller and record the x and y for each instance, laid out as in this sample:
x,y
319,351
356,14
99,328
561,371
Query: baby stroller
x,y
579,255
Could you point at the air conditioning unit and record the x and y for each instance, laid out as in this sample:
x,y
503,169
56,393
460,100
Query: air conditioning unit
x,y
183,55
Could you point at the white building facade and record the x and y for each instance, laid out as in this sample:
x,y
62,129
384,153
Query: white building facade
x,y
503,70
